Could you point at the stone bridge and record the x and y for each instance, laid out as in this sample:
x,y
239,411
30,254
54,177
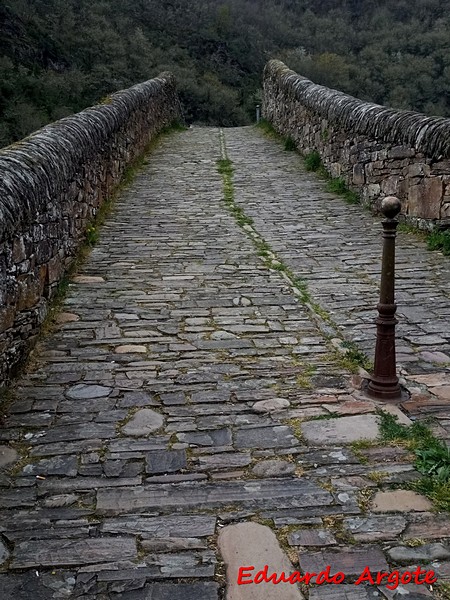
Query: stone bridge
x,y
193,405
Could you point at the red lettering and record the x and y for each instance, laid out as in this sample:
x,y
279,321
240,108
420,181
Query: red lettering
x,y
308,576
430,574
393,580
365,576
241,575
406,577
417,573
323,576
261,576
296,577
281,579
380,577
337,578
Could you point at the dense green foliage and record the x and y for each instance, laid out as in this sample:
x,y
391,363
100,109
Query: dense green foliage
x,y
58,56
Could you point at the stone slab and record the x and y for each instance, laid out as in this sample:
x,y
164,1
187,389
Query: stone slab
x,y
279,436
400,501
343,430
8,456
143,423
375,528
274,468
130,349
272,405
190,526
252,544
46,553
420,554
87,279
312,537
165,461
350,562
174,591
268,494
83,391
339,592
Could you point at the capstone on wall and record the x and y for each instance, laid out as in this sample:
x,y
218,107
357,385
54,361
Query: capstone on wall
x,y
376,150
51,186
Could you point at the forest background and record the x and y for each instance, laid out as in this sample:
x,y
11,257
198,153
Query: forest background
x,y
59,56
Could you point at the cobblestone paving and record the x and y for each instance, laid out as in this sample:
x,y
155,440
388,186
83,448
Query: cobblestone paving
x,y
336,248
184,389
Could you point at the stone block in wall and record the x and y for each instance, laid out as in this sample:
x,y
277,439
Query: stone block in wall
x,y
371,192
425,198
335,169
358,176
18,250
6,318
417,170
389,185
55,268
441,168
399,152
30,288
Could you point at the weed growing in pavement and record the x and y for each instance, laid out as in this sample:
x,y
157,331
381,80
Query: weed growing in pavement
x,y
432,457
313,162
337,185
439,240
435,240
356,357
269,130
289,144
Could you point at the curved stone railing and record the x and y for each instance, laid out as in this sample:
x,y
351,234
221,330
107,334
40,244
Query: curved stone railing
x,y
377,150
51,186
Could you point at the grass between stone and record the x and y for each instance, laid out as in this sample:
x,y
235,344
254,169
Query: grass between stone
x,y
347,356
313,162
435,240
432,457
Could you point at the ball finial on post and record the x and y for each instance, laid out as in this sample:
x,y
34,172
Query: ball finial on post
x,y
390,207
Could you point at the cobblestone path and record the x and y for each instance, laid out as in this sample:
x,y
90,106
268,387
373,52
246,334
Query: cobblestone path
x,y
176,415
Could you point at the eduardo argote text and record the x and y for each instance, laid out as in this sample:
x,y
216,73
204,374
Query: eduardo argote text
x,y
391,580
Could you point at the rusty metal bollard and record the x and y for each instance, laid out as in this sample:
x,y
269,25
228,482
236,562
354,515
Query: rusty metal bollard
x,y
384,382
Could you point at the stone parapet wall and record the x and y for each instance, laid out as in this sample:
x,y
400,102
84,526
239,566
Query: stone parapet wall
x,y
51,186
376,150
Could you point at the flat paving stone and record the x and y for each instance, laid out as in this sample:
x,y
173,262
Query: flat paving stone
x,y
339,592
44,553
8,456
174,591
350,562
252,544
312,537
274,468
83,391
272,405
181,525
130,349
268,493
278,436
400,501
374,528
165,461
143,423
87,279
342,430
426,553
